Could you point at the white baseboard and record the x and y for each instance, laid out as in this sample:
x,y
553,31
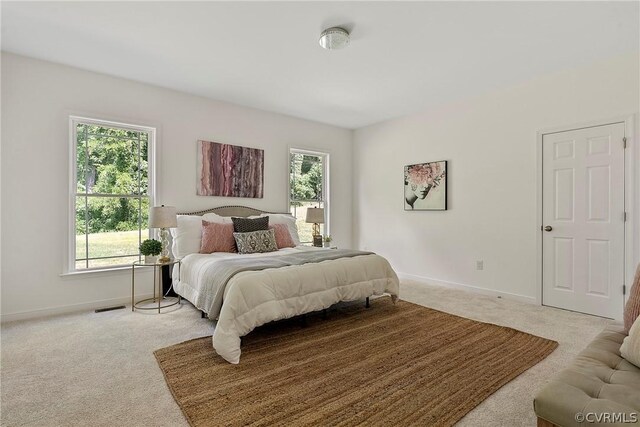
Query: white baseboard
x,y
66,309
475,289
52,311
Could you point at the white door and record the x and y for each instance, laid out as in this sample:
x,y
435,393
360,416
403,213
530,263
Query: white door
x,y
583,220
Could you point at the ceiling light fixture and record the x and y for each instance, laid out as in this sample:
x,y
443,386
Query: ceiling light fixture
x,y
334,38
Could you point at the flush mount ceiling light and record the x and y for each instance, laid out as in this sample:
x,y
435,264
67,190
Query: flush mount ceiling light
x,y
334,38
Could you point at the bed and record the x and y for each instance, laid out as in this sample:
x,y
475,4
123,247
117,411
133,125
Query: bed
x,y
245,291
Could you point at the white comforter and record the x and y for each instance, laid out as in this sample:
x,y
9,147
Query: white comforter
x,y
253,298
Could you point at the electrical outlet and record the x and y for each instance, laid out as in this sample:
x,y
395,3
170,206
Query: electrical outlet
x,y
479,265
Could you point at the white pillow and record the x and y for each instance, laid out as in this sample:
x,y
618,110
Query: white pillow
x,y
211,217
630,349
289,221
187,237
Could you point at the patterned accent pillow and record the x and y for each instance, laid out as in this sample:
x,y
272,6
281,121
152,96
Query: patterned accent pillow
x,y
632,308
256,241
217,237
246,225
283,237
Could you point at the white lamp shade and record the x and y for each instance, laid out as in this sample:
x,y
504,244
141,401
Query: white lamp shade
x,y
315,215
163,217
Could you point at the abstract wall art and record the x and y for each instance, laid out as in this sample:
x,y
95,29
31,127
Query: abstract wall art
x,y
230,170
425,186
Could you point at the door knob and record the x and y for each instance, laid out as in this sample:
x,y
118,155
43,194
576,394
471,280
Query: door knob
x,y
548,228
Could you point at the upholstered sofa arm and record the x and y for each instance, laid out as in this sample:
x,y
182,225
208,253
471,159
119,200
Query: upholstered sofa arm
x,y
599,385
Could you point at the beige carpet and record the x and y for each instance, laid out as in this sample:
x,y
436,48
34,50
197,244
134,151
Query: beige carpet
x,y
398,364
98,369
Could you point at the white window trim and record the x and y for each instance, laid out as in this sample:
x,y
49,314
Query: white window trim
x,y
326,177
70,261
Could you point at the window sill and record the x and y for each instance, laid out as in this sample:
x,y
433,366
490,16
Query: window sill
x,y
98,272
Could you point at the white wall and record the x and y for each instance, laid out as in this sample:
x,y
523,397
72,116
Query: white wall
x,y
37,99
490,142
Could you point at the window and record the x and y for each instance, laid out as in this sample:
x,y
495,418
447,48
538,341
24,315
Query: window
x,y
308,187
111,190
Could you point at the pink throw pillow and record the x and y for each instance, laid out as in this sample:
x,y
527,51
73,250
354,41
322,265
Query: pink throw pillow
x,y
632,309
217,237
283,237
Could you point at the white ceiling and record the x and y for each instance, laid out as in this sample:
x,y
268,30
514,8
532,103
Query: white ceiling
x,y
404,56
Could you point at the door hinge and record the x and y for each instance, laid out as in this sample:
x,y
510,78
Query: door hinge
x,y
624,142
624,216
624,289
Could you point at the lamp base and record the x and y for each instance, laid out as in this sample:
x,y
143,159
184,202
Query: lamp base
x,y
317,240
164,240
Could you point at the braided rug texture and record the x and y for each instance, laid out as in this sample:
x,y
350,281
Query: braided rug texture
x,y
401,364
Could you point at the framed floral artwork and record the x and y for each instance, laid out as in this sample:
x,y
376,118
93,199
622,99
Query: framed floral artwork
x,y
425,186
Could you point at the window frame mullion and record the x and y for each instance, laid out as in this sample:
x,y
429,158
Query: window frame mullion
x,y
86,197
140,198
75,196
324,193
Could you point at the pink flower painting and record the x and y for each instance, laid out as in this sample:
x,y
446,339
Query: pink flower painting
x,y
425,186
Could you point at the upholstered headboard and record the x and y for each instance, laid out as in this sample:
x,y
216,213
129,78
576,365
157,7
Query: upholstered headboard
x,y
190,241
239,211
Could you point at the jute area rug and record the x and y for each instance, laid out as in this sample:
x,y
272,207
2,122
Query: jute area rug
x,y
389,365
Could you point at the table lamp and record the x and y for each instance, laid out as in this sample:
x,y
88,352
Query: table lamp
x,y
163,217
316,217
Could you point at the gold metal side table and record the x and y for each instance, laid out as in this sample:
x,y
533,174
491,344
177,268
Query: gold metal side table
x,y
157,286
